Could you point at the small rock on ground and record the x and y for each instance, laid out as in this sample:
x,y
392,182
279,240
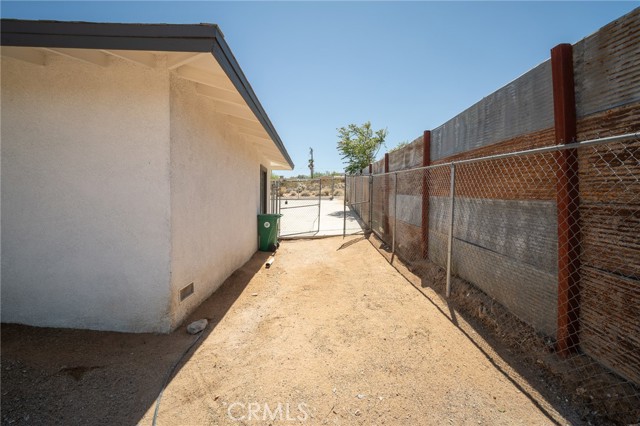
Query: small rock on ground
x,y
197,326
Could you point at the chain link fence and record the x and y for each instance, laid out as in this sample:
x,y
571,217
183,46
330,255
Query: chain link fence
x,y
542,246
312,207
358,200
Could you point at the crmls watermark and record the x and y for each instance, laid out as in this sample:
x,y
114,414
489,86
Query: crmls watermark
x,y
247,412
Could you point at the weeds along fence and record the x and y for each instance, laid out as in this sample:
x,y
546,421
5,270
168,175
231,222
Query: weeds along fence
x,y
549,236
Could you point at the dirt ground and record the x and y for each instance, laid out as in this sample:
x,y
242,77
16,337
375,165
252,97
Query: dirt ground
x,y
330,334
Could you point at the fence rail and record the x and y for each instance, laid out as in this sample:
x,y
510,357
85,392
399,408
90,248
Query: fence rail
x,y
550,235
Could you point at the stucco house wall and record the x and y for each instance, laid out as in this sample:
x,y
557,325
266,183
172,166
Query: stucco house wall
x,y
85,195
131,164
215,187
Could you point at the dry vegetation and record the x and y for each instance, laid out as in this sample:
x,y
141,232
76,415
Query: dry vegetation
x,y
600,396
296,188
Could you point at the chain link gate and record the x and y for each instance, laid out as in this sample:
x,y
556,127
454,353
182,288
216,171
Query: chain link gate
x,y
298,201
312,207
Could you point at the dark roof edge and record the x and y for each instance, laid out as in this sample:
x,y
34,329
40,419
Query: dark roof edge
x,y
227,61
92,35
158,37
106,29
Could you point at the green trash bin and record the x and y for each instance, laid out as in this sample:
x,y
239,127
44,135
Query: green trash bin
x,y
268,231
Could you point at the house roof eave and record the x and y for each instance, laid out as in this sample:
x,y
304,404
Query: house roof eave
x,y
151,37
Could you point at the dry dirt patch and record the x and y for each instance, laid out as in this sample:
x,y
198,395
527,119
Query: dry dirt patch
x,y
330,334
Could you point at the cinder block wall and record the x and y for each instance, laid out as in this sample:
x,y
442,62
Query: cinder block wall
x,y
506,238
408,209
491,225
607,82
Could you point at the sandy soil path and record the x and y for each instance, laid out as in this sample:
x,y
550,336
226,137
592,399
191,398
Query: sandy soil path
x,y
330,334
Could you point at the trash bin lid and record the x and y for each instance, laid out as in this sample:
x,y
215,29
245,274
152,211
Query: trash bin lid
x,y
268,216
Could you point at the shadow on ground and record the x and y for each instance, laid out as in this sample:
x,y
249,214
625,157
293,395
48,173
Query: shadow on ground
x,y
54,376
340,215
524,357
64,376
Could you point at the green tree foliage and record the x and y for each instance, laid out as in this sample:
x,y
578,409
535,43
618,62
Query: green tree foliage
x,y
359,145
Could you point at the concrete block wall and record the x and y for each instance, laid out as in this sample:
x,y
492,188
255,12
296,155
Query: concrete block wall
x,y
379,199
506,220
382,186
407,157
493,248
409,192
607,83
504,229
521,107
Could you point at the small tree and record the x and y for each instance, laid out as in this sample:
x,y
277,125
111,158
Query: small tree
x,y
359,145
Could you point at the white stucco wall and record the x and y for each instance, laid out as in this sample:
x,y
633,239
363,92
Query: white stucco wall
x,y
85,195
215,179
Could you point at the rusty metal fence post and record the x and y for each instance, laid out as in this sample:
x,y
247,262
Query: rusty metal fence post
x,y
395,212
568,200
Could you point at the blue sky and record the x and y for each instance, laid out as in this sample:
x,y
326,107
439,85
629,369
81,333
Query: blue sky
x,y
406,66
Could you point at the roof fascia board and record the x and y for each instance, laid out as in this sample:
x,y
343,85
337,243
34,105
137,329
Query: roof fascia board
x,y
116,30
105,43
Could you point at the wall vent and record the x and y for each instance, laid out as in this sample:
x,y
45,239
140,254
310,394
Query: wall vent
x,y
186,292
